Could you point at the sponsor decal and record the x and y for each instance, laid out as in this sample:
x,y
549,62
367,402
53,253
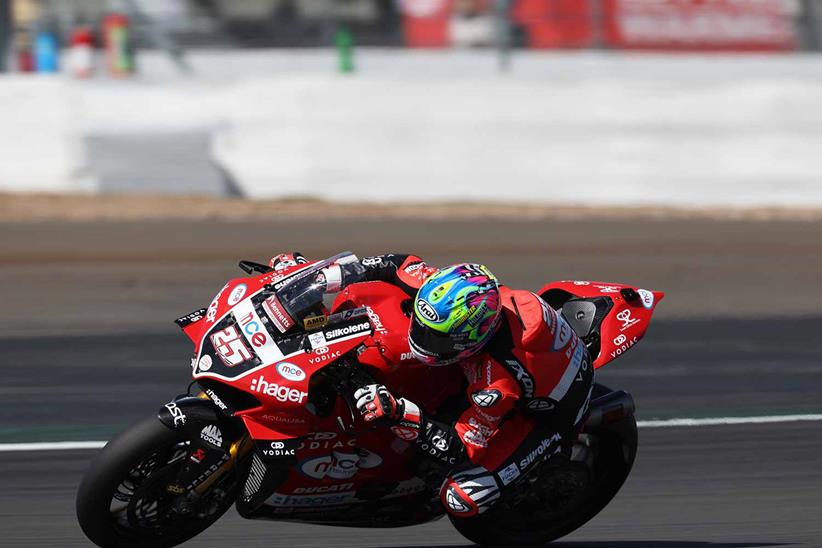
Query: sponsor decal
x,y
549,316
205,362
427,311
253,330
563,334
198,456
509,473
619,339
624,346
176,413
372,261
285,448
540,450
277,314
340,332
325,440
314,322
290,371
284,419
581,282
376,321
478,434
282,500
404,433
230,347
216,399
440,441
523,378
317,340
339,464
413,267
455,502
647,298
486,398
211,469
325,356
280,393
607,288
540,404
406,356
211,434
626,319
236,294
190,318
175,489
211,313
334,488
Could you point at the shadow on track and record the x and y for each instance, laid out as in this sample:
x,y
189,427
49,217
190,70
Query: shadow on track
x,y
641,544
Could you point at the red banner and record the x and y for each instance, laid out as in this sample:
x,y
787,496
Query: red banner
x,y
707,25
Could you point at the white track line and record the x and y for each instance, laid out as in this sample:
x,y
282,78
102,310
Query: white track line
x,y
714,421
666,423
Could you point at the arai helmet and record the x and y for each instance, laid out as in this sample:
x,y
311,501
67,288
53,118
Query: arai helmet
x,y
456,311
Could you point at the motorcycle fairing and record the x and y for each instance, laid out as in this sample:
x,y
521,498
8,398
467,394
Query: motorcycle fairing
x,y
616,328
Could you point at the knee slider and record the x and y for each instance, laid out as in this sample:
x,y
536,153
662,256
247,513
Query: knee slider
x,y
469,493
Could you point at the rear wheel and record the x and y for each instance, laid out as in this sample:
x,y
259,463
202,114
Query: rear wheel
x,y
124,500
561,495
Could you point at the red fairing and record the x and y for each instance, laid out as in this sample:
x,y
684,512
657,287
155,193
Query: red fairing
x,y
625,323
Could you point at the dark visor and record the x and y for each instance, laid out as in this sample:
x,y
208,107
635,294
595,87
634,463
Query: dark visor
x,y
432,343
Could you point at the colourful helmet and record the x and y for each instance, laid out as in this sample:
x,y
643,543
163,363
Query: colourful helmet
x,y
456,312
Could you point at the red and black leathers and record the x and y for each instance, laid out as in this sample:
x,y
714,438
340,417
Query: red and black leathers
x,y
528,389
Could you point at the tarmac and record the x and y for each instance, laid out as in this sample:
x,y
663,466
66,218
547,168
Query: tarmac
x,y
89,346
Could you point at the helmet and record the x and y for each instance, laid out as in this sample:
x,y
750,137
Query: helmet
x,y
456,312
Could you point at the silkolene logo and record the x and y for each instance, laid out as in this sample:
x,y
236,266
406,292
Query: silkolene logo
x,y
281,393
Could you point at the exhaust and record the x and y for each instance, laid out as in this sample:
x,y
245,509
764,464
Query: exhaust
x,y
609,409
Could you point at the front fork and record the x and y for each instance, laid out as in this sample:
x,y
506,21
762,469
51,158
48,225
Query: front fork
x,y
217,444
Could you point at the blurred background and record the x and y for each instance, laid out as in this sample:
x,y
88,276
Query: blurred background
x,y
148,145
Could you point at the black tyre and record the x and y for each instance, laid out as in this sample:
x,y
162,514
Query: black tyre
x,y
122,500
564,496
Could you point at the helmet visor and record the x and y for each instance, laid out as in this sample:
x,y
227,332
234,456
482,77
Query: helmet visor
x,y
440,347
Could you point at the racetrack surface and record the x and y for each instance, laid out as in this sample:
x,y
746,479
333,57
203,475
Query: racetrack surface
x,y
87,347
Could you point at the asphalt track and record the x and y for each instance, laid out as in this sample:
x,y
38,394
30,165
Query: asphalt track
x,y
86,371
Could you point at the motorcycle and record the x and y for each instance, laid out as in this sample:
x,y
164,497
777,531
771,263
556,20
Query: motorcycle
x,y
273,428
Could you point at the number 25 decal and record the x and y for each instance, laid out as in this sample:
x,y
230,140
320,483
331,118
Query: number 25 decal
x,y
230,347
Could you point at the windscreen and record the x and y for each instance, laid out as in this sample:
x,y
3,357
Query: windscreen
x,y
304,291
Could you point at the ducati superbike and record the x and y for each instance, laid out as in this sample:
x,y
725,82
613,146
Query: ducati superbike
x,y
272,427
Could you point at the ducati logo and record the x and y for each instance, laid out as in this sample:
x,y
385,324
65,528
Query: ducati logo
x,y
486,398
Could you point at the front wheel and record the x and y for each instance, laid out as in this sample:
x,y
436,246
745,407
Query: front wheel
x,y
125,500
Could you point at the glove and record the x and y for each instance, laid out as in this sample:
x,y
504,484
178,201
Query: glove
x,y
286,260
376,403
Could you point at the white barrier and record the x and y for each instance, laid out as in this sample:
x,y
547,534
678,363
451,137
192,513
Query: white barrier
x,y
41,146
567,141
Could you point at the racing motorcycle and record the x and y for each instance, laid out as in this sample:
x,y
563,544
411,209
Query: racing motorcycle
x,y
272,427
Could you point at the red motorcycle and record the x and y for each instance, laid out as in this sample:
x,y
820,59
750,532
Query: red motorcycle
x,y
274,428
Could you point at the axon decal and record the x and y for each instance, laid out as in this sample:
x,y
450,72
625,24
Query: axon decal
x,y
339,464
281,393
626,319
523,377
624,345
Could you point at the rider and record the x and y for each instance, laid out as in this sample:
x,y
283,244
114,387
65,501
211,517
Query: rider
x,y
529,375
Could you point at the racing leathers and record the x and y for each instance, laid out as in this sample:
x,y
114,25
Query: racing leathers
x,y
528,388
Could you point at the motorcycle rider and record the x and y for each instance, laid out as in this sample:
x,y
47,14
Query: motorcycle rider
x,y
529,376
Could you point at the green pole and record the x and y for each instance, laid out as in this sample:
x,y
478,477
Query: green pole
x,y
5,34
344,42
